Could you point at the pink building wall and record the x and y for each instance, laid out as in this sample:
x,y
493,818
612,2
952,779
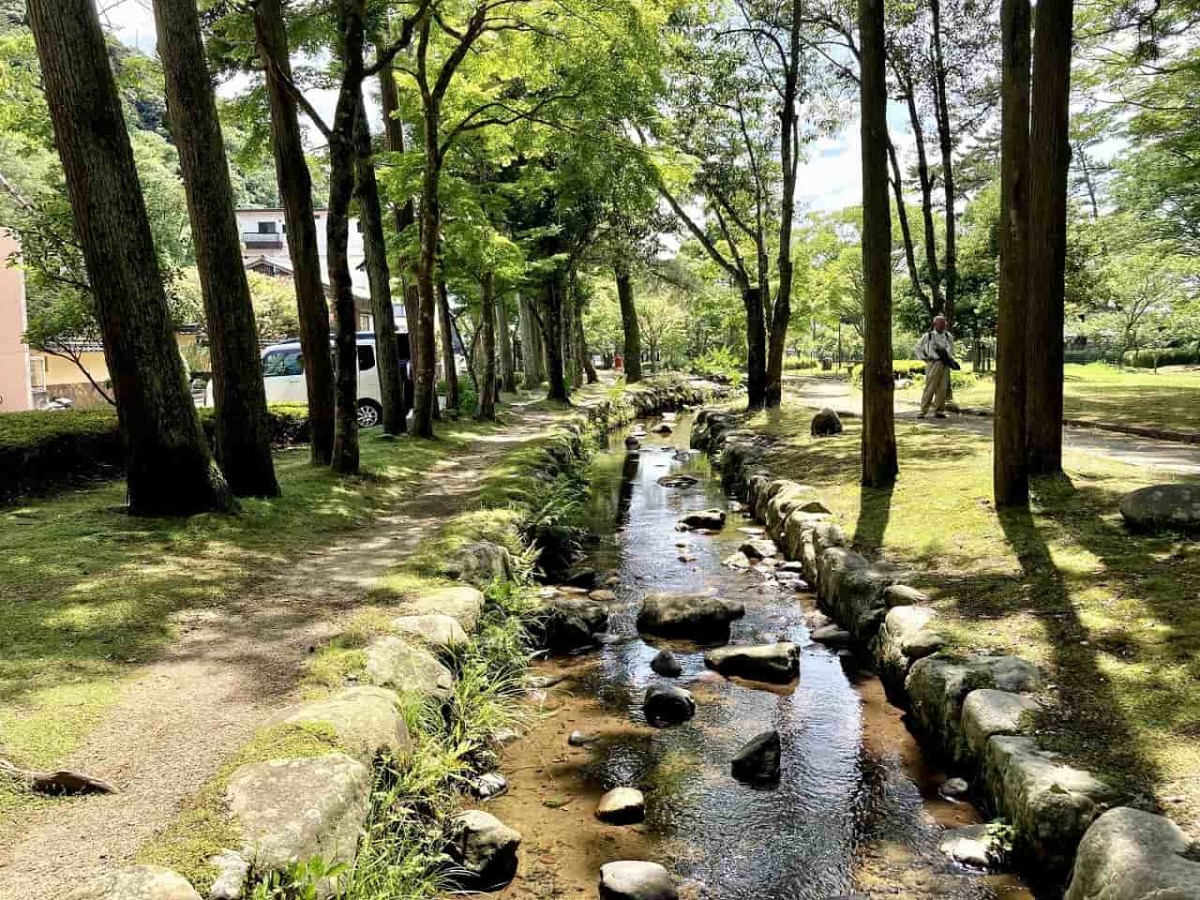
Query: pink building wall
x,y
15,391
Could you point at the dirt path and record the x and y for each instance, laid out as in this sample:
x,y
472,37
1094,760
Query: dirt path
x,y
232,665
1166,456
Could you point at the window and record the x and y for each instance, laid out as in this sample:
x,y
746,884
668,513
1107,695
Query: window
x,y
266,228
358,225
366,358
37,373
283,362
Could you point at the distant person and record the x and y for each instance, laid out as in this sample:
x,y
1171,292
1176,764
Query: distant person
x,y
936,350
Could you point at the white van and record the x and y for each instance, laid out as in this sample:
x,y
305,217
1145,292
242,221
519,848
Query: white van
x,y
283,376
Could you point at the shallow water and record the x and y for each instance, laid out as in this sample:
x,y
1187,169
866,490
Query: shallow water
x,y
856,811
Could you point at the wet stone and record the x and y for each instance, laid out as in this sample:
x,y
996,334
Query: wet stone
x,y
687,615
665,664
777,663
758,761
737,560
955,789
490,786
484,850
636,880
832,636
581,739
708,519
974,846
758,549
666,704
621,806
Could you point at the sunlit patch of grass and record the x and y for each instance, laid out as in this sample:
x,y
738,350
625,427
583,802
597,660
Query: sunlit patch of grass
x,y
1111,615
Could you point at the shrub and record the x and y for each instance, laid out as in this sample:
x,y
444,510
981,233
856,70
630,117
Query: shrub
x,y
719,364
42,451
1187,355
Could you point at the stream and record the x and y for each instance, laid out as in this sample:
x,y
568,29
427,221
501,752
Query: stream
x,y
856,812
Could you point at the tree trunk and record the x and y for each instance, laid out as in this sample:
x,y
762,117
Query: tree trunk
x,y
508,373
486,389
449,366
879,465
1010,479
295,192
570,344
910,256
550,318
243,435
946,145
533,352
585,356
431,226
387,347
342,157
756,347
1049,164
170,469
629,324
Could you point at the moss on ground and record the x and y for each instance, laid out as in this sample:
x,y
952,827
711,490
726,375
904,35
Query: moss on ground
x,y
1113,616
88,593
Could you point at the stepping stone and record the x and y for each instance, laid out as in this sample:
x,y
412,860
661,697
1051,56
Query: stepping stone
x,y
708,519
395,663
366,720
678,481
758,761
665,704
777,663
694,616
633,880
737,560
665,664
136,883
621,806
433,629
759,549
484,850
832,636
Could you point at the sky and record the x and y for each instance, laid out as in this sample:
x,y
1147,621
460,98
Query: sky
x,y
830,178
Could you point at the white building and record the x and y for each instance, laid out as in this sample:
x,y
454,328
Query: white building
x,y
265,250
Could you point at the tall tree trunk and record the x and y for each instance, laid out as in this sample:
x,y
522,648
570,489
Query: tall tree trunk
x,y
449,365
550,319
533,351
431,227
295,191
343,154
1010,479
387,347
485,407
243,434
910,256
629,323
572,361
585,356
756,347
1050,160
879,465
926,184
508,373
170,470
946,145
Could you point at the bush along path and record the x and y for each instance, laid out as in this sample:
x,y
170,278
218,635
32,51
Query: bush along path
x,y
405,701
1067,825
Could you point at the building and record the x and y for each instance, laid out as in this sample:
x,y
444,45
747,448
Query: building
x,y
19,375
265,250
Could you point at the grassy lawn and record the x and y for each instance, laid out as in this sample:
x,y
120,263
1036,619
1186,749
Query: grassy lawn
x,y
1114,617
88,593
1100,393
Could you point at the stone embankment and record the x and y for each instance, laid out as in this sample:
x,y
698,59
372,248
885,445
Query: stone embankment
x,y
973,709
288,811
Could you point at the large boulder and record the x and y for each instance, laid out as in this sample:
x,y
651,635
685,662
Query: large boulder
x,y
460,602
484,850
636,880
1048,803
1163,507
758,761
687,615
290,810
366,720
621,806
665,704
395,663
826,423
778,663
986,713
1128,854
937,686
572,623
480,563
433,629
908,634
136,883
705,519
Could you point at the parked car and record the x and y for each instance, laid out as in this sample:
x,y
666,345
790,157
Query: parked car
x,y
283,376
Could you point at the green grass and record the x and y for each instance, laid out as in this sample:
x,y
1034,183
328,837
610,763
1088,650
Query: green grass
x,y
1112,616
1101,393
88,593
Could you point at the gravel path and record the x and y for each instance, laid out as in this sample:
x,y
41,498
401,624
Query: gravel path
x,y
232,666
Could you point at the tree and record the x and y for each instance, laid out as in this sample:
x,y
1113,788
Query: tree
x,y
879,465
1010,474
170,469
1049,166
243,438
631,331
295,190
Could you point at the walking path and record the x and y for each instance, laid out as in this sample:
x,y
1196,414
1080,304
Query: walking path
x,y
231,667
1166,456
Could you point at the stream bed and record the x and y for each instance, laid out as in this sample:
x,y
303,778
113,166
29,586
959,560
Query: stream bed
x,y
856,812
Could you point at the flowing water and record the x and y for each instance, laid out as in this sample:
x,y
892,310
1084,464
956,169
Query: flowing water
x,y
856,812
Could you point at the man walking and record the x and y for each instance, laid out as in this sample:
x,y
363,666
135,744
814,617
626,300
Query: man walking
x,y
936,350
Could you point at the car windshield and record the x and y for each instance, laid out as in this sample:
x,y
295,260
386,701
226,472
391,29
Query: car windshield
x,y
283,362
